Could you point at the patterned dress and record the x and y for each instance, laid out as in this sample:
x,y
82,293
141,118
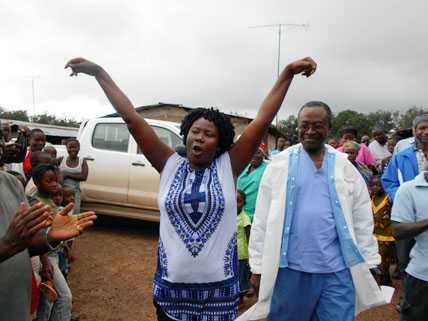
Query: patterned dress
x,y
197,271
383,234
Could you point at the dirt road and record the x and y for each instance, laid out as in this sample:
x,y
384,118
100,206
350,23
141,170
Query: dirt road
x,y
111,278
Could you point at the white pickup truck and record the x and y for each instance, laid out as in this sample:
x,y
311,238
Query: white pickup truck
x,y
121,181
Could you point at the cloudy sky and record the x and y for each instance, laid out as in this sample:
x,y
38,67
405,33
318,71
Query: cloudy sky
x,y
371,54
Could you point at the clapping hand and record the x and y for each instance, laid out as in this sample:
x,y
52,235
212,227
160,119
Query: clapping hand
x,y
26,223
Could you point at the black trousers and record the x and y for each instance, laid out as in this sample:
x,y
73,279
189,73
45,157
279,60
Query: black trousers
x,y
415,303
161,316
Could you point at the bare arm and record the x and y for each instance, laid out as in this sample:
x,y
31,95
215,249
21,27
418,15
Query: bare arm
x,y
247,232
242,152
82,176
156,151
402,231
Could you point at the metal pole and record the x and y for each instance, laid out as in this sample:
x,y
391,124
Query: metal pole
x,y
278,66
279,26
34,99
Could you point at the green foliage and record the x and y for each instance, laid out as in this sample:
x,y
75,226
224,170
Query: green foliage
x,y
15,115
351,118
364,123
383,119
406,119
288,128
41,118
53,120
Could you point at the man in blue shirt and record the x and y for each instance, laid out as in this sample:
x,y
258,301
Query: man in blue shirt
x,y
410,220
405,166
311,243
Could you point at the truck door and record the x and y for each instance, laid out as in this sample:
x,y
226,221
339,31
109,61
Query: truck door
x,y
106,152
143,178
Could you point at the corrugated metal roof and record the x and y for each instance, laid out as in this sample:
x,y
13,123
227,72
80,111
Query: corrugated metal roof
x,y
272,129
49,130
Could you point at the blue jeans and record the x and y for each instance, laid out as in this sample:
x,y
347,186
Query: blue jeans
x,y
60,310
300,296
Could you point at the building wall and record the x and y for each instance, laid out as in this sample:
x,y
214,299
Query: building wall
x,y
176,114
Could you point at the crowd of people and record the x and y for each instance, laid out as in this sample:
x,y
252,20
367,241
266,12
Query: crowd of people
x,y
41,179
311,230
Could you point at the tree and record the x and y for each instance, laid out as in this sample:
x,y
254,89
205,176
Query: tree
x,y
406,118
53,120
288,128
383,119
41,118
15,115
350,118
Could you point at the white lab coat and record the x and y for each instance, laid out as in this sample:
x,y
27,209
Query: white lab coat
x,y
267,228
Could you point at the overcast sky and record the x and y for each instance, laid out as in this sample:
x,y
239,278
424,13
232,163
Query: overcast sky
x,y
371,54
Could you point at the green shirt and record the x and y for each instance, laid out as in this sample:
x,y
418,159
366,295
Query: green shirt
x,y
53,209
242,221
249,184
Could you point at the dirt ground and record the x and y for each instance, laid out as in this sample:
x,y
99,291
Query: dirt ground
x,y
111,279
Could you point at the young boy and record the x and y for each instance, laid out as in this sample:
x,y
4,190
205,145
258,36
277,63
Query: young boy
x,y
243,236
68,196
37,143
46,180
58,196
381,207
37,159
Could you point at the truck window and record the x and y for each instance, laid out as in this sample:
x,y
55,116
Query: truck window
x,y
113,137
167,136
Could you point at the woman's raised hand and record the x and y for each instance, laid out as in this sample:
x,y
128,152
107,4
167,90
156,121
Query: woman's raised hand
x,y
82,65
305,66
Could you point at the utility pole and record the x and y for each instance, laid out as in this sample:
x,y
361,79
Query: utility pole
x,y
280,27
33,91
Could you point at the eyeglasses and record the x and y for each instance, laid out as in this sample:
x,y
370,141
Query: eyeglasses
x,y
314,126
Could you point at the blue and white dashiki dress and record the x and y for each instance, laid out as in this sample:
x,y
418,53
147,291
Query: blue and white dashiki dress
x,y
197,271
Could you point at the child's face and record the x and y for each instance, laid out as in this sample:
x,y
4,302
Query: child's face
x,y
73,148
57,196
68,196
49,182
391,145
51,151
375,185
43,160
239,202
352,154
37,141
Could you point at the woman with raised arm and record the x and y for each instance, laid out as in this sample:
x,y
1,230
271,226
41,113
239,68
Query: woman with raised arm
x,y
197,271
